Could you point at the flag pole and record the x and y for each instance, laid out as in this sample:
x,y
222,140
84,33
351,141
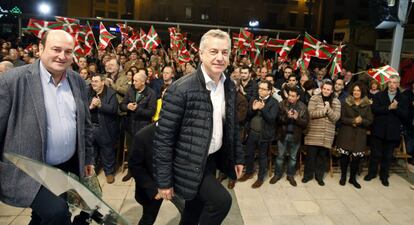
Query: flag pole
x,y
93,35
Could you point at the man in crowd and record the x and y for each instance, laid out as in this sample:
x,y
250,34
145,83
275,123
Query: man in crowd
x,y
197,132
115,79
44,116
390,109
292,120
5,66
275,92
15,58
286,73
103,107
262,114
263,73
82,63
248,84
339,90
140,104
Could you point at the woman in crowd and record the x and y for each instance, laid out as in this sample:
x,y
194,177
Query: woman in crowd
x,y
374,88
85,74
324,110
356,117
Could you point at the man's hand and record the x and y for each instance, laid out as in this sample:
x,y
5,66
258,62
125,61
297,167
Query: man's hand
x,y
358,120
157,196
239,170
393,105
295,114
166,194
89,170
132,106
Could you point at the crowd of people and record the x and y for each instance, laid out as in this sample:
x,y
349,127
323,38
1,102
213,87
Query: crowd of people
x,y
308,112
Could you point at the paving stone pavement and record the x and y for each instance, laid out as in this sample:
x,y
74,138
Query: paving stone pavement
x,y
276,204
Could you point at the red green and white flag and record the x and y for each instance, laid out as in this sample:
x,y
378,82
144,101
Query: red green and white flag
x,y
153,40
70,25
90,41
245,39
316,48
132,42
303,62
193,46
40,27
281,47
336,66
124,29
256,48
235,39
183,54
142,38
104,36
382,74
172,31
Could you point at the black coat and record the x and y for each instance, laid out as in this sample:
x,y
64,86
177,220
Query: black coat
x,y
387,124
184,132
108,113
140,165
251,90
300,123
269,114
142,116
409,123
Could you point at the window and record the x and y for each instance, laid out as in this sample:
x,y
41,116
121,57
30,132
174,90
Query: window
x,y
294,2
188,13
340,2
363,3
339,16
271,18
292,19
113,15
307,20
205,13
224,15
164,12
100,13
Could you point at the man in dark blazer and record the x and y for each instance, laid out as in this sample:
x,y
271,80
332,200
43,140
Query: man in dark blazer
x,y
140,165
44,116
197,131
390,109
103,106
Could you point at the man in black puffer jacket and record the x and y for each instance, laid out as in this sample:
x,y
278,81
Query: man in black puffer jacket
x,y
197,133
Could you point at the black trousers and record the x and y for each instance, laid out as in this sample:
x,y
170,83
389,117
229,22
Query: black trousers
x,y
315,163
212,202
49,209
381,152
149,212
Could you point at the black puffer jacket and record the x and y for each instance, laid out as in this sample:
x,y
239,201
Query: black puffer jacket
x,y
184,132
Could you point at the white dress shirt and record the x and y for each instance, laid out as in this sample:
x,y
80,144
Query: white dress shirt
x,y
219,110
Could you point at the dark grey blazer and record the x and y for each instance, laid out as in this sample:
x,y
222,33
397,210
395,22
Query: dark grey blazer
x,y
23,129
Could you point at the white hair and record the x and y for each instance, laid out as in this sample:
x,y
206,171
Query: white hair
x,y
216,33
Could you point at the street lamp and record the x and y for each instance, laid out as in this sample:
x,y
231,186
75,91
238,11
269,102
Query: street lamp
x,y
44,8
309,4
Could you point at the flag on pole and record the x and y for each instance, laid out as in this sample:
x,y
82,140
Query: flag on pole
x,y
124,29
183,54
89,40
70,25
142,38
244,42
256,49
316,48
281,47
336,66
382,74
104,36
132,42
193,46
152,40
235,40
303,62
40,27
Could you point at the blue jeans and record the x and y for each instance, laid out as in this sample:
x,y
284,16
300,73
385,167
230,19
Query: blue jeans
x,y
253,142
286,146
104,148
